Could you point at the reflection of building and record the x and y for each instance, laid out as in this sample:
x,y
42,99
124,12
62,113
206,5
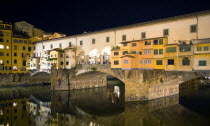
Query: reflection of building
x,y
14,113
40,109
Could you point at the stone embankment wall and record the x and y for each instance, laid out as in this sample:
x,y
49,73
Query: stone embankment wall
x,y
64,79
23,79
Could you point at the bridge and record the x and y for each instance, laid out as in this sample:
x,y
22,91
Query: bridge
x,y
139,84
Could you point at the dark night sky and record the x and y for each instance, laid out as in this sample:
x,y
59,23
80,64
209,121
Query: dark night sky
x,y
73,17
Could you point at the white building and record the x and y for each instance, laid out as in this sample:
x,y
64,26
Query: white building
x,y
97,45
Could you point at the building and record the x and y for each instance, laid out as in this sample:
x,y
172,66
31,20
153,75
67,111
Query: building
x,y
15,50
95,47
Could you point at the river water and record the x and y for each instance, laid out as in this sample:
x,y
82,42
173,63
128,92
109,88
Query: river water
x,y
38,106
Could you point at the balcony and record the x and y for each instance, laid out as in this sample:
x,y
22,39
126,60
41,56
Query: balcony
x,y
115,48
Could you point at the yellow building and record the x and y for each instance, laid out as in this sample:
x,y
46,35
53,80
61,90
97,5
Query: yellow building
x,y
14,51
64,59
171,57
201,54
5,47
159,57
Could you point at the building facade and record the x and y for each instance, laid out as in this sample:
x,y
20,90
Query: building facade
x,y
151,45
14,51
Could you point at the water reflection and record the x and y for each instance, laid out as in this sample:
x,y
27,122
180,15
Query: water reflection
x,y
38,106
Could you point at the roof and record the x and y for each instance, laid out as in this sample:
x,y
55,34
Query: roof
x,y
139,24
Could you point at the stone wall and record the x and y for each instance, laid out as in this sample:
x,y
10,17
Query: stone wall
x,y
65,79
23,79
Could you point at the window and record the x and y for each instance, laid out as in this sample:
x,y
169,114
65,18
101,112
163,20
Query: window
x,y
185,62
193,28
15,61
155,42
199,48
1,68
206,48
61,63
170,61
202,63
116,62
1,34
159,62
116,53
23,55
15,41
125,61
15,54
93,41
185,48
147,51
69,44
15,47
160,41
123,37
143,35
125,52
51,46
125,44
7,61
147,61
160,51
1,62
25,41
7,54
14,68
29,48
170,49
107,39
7,47
134,44
1,54
139,53
1,40
1,46
24,63
81,42
24,48
20,41
165,32
67,63
147,43
140,61
61,55
60,45
156,51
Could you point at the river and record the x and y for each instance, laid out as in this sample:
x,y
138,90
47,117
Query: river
x,y
39,106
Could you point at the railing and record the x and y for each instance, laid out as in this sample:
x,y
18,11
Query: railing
x,y
89,66
201,40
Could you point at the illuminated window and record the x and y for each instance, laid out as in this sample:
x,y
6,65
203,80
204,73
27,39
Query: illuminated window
x,y
14,104
1,62
1,46
7,47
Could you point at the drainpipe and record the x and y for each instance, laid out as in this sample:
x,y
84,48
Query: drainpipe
x,y
115,38
197,26
75,51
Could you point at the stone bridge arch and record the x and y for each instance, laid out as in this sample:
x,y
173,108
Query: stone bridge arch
x,y
145,84
41,77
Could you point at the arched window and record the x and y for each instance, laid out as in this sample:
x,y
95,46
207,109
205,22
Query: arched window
x,y
185,61
14,68
1,62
